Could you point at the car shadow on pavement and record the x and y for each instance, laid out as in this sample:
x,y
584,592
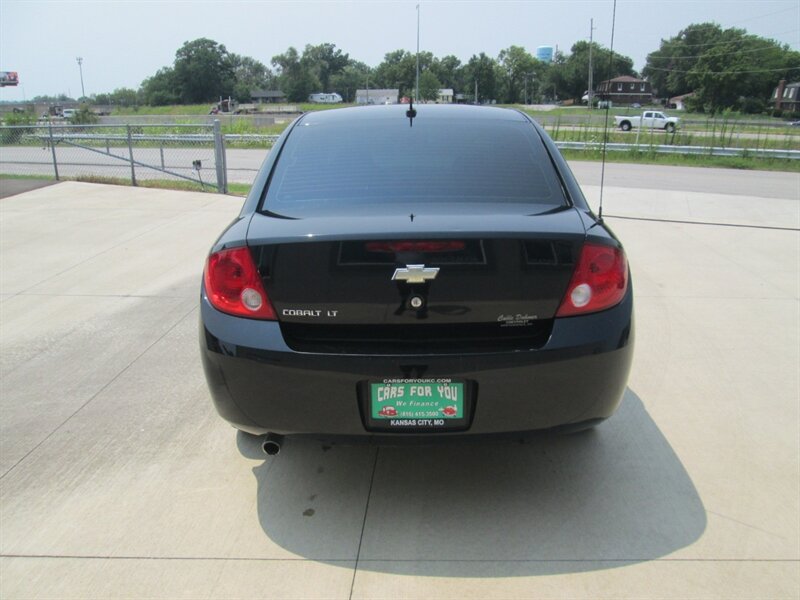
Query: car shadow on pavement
x,y
551,504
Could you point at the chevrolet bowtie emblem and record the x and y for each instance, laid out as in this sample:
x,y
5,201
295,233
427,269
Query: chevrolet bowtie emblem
x,y
415,274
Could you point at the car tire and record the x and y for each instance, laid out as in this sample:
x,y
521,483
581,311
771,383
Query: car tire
x,y
625,126
669,127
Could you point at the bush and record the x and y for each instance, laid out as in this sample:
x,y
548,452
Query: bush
x,y
20,118
751,106
84,116
17,120
694,104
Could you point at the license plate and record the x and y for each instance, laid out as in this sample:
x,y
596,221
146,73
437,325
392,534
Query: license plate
x,y
417,404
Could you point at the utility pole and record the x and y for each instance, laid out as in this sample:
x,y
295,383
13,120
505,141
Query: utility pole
x,y
591,70
80,68
476,91
416,96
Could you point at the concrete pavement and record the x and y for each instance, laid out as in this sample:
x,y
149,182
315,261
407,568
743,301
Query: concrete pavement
x,y
118,479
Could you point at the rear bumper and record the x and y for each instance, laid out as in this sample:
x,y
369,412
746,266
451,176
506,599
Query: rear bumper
x,y
260,385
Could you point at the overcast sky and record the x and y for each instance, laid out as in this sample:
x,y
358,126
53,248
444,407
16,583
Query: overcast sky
x,y
124,42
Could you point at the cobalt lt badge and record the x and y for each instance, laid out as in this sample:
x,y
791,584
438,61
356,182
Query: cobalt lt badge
x,y
415,274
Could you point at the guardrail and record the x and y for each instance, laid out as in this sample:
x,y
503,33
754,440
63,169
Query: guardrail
x,y
686,150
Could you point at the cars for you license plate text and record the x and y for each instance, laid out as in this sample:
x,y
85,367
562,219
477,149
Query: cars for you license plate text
x,y
417,402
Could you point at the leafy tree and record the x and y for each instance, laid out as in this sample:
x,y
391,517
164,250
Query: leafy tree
x,y
448,71
575,69
483,70
516,66
53,99
553,80
324,61
350,79
203,71
120,97
667,67
161,88
295,77
250,74
724,68
429,86
124,97
398,70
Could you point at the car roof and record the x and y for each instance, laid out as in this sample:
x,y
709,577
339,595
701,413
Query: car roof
x,y
387,112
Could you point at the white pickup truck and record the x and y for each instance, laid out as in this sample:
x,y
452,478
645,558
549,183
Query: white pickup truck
x,y
650,119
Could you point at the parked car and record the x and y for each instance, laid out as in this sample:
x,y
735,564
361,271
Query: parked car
x,y
650,119
440,273
69,113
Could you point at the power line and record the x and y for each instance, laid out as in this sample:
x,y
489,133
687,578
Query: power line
x,y
723,42
764,49
724,72
777,12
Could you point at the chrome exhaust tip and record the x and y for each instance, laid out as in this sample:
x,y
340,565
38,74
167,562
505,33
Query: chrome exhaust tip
x,y
272,444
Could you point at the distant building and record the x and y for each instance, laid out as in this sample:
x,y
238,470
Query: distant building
x,y
787,96
267,97
679,102
445,96
625,90
545,54
377,96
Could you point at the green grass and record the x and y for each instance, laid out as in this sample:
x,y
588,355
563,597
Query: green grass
x,y
37,177
178,109
732,122
723,137
308,107
234,189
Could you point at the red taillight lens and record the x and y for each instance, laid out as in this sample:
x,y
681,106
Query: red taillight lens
x,y
599,282
416,246
233,285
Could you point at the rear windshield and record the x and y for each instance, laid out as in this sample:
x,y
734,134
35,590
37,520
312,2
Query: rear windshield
x,y
332,165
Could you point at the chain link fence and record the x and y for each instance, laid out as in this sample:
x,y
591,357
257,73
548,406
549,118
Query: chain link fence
x,y
128,154
200,156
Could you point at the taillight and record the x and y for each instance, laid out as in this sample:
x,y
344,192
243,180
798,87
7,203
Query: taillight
x,y
233,285
599,282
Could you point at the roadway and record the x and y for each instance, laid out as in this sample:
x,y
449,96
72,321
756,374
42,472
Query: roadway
x,y
118,479
243,164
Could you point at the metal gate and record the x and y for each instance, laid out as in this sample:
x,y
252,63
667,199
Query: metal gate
x,y
122,153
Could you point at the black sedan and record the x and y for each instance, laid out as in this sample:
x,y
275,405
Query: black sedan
x,y
405,272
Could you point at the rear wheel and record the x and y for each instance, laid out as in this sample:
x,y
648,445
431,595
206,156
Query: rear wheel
x,y
625,126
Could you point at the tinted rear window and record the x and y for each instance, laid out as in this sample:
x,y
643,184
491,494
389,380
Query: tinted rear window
x,y
330,165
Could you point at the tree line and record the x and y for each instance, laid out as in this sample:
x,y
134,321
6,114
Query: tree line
x,y
725,68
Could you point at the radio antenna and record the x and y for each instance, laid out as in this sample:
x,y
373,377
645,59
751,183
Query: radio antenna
x,y
608,102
